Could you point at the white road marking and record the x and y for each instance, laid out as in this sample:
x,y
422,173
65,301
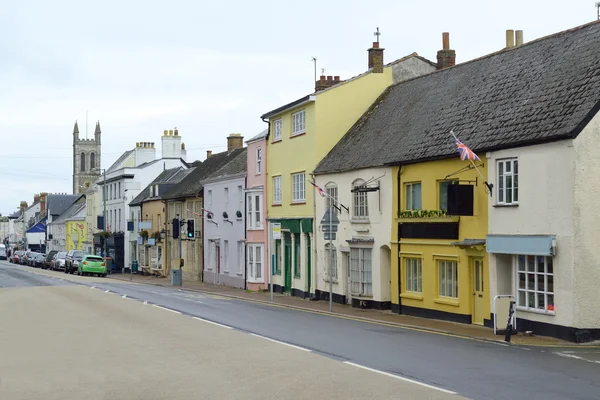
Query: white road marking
x,y
167,309
92,287
400,378
284,343
213,323
567,355
501,344
124,296
145,302
107,291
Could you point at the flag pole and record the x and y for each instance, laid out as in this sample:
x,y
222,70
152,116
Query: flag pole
x,y
485,182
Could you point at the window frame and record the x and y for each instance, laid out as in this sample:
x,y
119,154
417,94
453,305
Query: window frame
x,y
547,294
277,131
442,289
241,257
82,162
298,127
360,202
334,274
331,188
277,191
362,283
225,256
413,275
409,186
501,179
252,250
258,160
298,187
252,214
440,193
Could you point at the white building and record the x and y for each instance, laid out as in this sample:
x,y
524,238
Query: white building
x,y
124,180
225,231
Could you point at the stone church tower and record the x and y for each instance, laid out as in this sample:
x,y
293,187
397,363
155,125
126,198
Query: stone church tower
x,y
86,159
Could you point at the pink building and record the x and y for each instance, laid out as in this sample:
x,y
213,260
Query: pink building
x,y
257,262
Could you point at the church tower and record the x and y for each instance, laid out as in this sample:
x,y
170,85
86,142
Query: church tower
x,y
86,159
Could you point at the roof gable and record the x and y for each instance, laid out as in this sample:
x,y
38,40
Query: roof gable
x,y
542,91
58,203
235,166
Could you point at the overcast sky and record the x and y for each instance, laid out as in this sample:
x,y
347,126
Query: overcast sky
x,y
207,68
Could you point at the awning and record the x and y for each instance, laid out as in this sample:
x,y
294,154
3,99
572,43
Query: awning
x,y
533,245
469,243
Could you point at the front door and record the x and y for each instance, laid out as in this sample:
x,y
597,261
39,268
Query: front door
x,y
478,296
346,269
287,261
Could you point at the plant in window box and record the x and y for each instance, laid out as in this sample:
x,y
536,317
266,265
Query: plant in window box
x,y
238,214
156,236
423,214
144,234
105,234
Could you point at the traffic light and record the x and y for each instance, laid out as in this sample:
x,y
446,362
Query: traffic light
x,y
190,228
176,228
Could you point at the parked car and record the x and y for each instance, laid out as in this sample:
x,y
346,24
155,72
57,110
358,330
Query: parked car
x,y
48,259
37,260
91,265
58,262
24,259
16,256
31,258
72,261
3,255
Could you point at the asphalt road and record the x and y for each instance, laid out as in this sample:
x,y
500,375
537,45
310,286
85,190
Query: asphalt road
x,y
418,364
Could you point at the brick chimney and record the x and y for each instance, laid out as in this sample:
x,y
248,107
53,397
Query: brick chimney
x,y
23,206
446,57
36,198
43,197
376,58
235,141
326,81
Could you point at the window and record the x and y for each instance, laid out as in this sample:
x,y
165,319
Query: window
x,y
255,263
443,195
277,130
226,197
413,196
333,255
360,205
118,228
241,260
448,274
277,189
535,282
240,199
209,199
92,161
254,211
226,255
297,265
332,193
111,192
119,191
110,220
508,181
258,160
298,123
414,275
298,188
82,160
278,259
360,272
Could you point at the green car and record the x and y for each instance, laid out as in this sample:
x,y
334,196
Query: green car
x,y
91,265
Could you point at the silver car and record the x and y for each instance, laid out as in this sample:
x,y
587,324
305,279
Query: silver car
x,y
58,262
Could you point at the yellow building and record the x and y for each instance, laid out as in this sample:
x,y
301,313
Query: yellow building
x,y
76,230
301,133
440,268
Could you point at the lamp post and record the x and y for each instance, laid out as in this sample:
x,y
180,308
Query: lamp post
x,y
104,208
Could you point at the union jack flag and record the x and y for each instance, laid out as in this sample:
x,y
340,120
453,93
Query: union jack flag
x,y
465,152
322,192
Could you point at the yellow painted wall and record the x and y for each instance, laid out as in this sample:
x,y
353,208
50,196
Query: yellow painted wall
x,y
73,228
154,211
432,250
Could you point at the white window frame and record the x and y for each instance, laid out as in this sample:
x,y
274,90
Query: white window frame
x,y
505,179
409,190
254,219
241,257
332,192
277,130
241,200
447,278
298,123
299,187
209,195
255,268
226,256
541,278
360,202
277,192
414,275
258,161
334,270
226,196
361,271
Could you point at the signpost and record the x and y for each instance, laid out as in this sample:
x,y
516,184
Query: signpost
x,y
330,224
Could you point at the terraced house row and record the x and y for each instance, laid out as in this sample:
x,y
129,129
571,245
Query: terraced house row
x,y
421,231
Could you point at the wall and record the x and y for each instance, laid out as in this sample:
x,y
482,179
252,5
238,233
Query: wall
x,y
431,251
410,68
545,207
232,264
378,227
75,234
258,182
586,191
192,251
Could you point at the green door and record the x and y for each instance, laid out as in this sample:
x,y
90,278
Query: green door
x,y
288,261
308,263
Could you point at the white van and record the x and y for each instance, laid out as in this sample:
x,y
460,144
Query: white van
x,y
3,252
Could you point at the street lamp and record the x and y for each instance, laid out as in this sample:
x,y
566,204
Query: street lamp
x,y
104,207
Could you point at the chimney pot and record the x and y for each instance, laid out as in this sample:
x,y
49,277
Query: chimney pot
x,y
336,78
510,38
518,38
176,132
170,132
208,153
446,40
329,77
375,45
166,132
322,77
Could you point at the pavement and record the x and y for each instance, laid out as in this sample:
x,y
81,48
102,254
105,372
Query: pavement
x,y
341,310
107,338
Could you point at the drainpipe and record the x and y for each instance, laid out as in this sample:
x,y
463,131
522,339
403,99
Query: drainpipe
x,y
246,235
270,236
313,277
399,195
166,257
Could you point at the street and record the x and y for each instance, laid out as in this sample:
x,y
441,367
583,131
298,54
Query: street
x,y
65,336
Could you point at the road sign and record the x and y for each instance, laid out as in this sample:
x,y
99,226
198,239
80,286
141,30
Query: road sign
x,y
276,230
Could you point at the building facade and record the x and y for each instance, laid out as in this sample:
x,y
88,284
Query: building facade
x,y
87,154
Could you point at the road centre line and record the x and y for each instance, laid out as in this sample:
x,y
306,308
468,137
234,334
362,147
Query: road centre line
x,y
167,309
284,343
107,291
400,377
213,323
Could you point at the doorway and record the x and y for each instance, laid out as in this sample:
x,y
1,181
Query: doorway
x,y
287,261
218,261
478,290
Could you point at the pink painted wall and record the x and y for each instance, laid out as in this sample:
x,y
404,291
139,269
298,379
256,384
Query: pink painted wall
x,y
254,180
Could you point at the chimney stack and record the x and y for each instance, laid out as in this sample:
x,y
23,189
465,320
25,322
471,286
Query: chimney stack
x,y
510,38
208,153
446,57
36,198
376,58
326,81
43,197
518,38
235,141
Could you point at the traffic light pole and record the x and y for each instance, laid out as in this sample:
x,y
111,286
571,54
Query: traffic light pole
x,y
180,251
